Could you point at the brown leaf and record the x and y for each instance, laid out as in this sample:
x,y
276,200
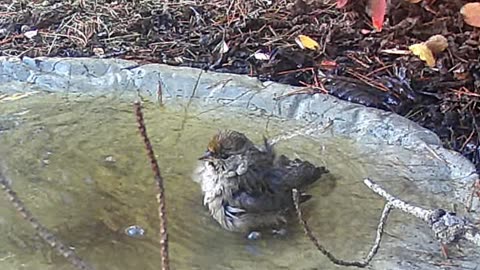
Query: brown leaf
x,y
471,14
437,43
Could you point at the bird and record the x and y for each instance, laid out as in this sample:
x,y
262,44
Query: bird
x,y
247,187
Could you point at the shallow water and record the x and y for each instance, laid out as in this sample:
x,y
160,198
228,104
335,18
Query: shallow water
x,y
79,165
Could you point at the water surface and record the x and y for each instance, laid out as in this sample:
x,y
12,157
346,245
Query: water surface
x,y
80,166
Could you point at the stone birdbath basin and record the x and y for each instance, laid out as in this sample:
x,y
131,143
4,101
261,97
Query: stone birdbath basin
x,y
69,145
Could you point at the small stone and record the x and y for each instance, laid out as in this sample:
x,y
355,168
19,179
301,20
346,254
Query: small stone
x,y
280,232
110,159
134,231
24,28
254,235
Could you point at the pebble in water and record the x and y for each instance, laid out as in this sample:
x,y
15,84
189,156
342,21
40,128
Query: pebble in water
x,y
135,231
254,235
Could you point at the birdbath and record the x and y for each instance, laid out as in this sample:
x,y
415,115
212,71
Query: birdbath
x,y
71,150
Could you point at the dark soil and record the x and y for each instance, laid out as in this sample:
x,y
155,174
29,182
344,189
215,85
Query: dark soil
x,y
351,63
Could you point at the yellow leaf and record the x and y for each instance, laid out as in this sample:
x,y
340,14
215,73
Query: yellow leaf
x,y
421,50
307,42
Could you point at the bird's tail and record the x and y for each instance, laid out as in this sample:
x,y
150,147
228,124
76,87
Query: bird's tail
x,y
300,174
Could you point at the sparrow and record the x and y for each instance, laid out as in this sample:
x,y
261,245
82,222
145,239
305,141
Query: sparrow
x,y
247,187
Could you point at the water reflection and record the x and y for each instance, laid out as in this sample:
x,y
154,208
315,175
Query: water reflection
x,y
81,167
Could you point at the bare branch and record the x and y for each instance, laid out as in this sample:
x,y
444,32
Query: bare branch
x,y
399,204
159,185
447,226
42,231
373,251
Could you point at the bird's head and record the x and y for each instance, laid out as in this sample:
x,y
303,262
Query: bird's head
x,y
225,144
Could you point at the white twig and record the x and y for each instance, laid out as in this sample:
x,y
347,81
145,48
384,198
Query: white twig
x,y
397,203
447,226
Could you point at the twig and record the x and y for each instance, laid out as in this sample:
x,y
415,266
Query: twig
x,y
373,251
159,185
381,224
41,230
447,227
475,192
159,93
399,204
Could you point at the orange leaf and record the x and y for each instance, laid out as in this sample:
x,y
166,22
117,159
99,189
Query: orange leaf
x,y
471,14
328,64
341,3
378,9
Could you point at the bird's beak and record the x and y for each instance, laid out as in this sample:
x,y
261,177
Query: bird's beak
x,y
206,155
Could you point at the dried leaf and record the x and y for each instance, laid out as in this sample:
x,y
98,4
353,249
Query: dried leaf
x,y
395,51
421,50
437,43
259,55
328,64
98,51
378,9
471,14
307,42
341,3
222,47
31,34
414,1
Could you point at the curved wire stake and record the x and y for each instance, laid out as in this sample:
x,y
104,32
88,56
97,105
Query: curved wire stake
x,y
373,251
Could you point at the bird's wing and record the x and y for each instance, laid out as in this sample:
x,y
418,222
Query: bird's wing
x,y
296,173
255,193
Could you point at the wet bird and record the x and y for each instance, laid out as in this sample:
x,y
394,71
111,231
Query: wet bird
x,y
247,187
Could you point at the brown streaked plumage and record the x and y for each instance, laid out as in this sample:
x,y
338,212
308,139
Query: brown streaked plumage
x,y
246,187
